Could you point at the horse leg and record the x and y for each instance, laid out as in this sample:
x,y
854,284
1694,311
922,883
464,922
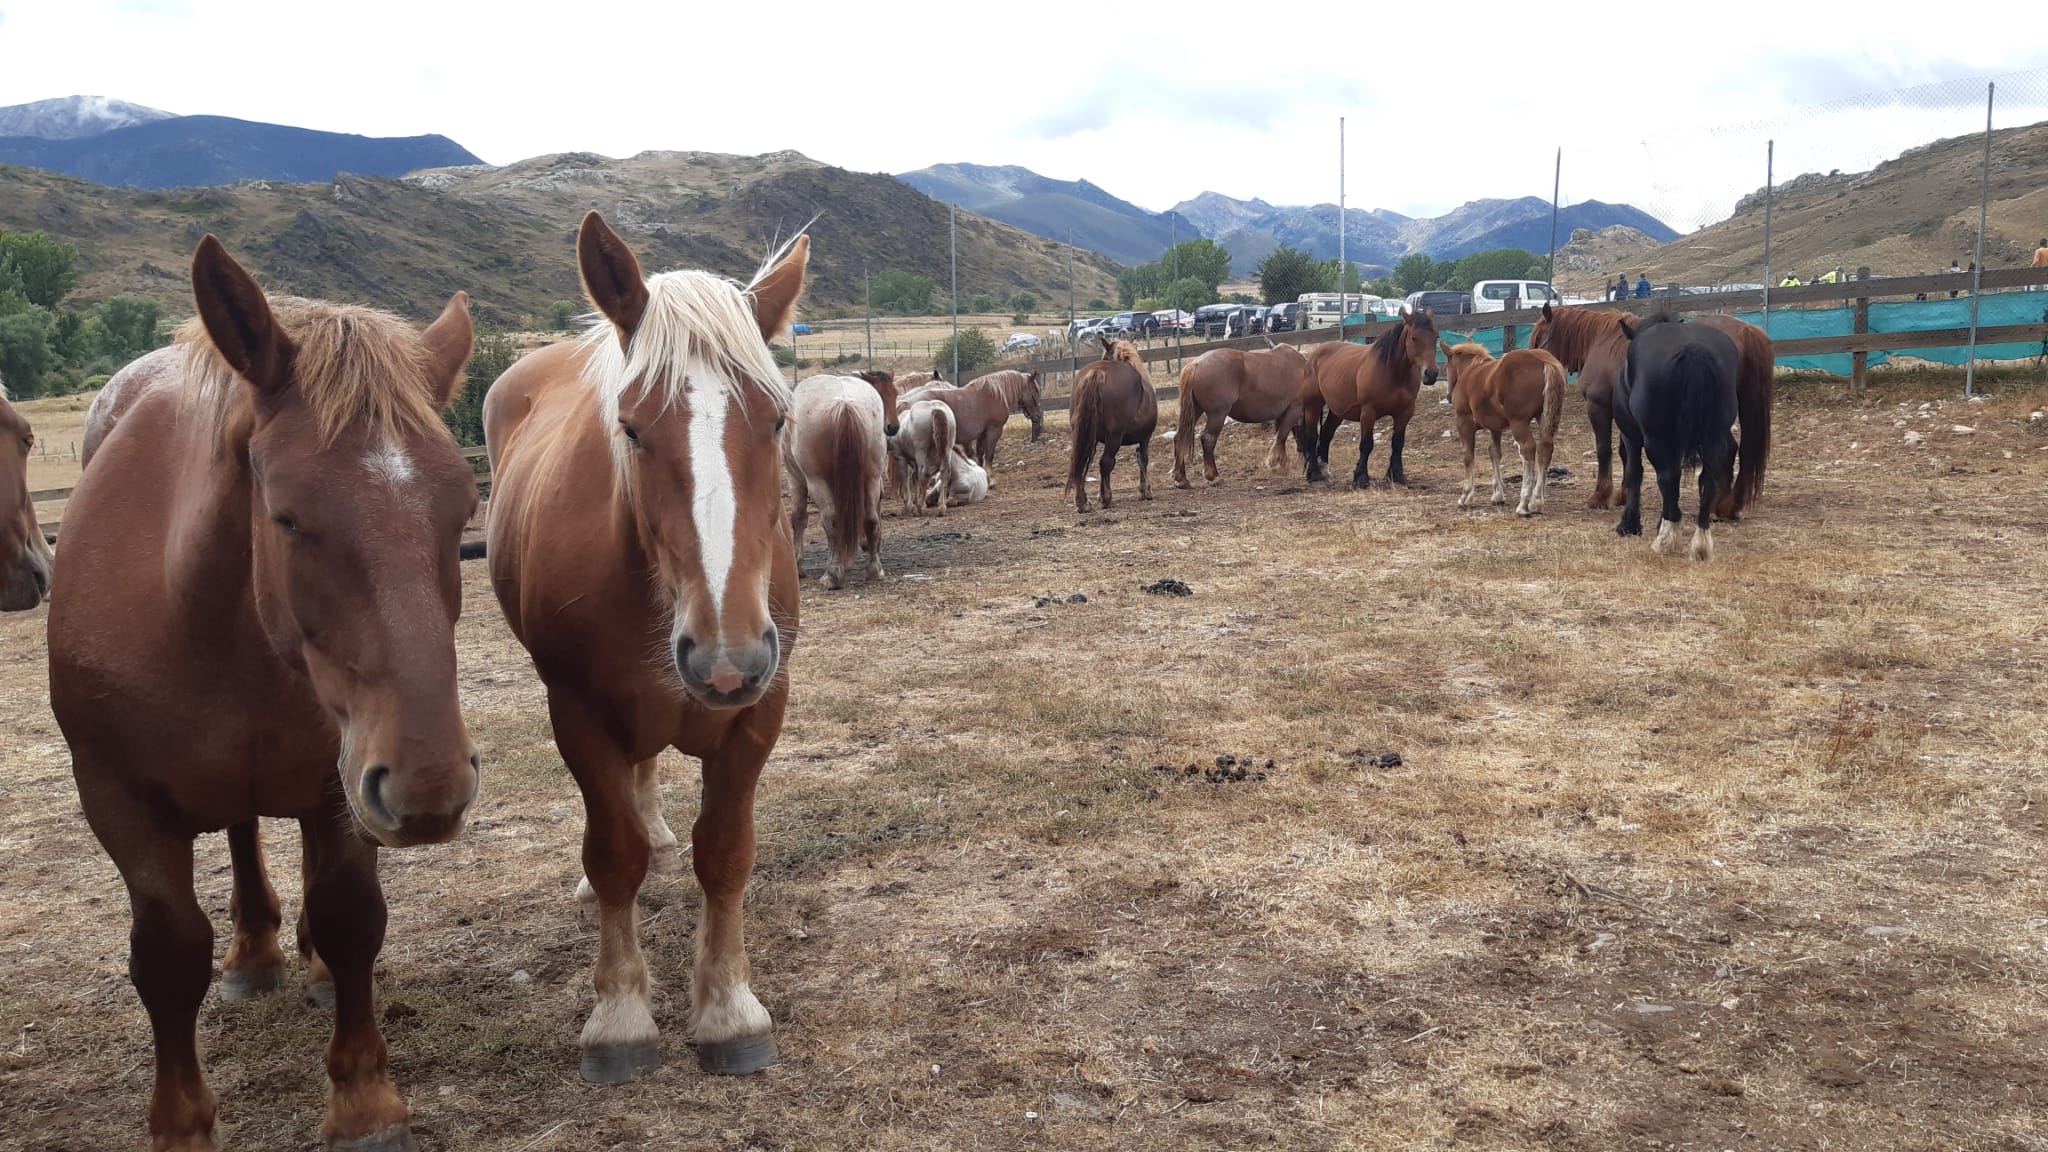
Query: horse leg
x,y
1546,443
170,962
345,907
734,1033
619,1041
1108,462
1396,474
1468,434
1360,478
1632,485
1712,478
1283,427
872,533
1305,431
1669,474
662,855
799,510
1601,414
1145,467
1327,433
1212,431
1500,491
254,965
1525,444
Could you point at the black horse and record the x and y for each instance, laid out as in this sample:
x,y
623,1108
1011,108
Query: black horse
x,y
1675,400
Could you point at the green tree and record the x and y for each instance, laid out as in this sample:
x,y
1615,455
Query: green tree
x,y
132,326
25,355
977,351
1023,302
562,315
1189,293
1495,264
494,353
897,293
1097,304
1203,260
1288,273
981,303
1414,273
38,267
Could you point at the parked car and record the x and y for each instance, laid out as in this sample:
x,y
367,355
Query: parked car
x,y
1085,326
1443,303
1020,342
1493,295
1133,323
1282,317
1220,321
1170,319
1320,309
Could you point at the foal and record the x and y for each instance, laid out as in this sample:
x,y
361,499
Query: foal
x,y
1507,395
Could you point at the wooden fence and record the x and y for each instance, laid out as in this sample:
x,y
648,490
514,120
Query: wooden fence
x,y
1858,292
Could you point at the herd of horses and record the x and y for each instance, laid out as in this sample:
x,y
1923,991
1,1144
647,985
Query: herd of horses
x,y
259,584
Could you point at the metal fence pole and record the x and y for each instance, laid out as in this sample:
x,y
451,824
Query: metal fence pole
x,y
1173,229
1343,265
1977,269
1556,184
1770,158
1073,351
954,240
867,304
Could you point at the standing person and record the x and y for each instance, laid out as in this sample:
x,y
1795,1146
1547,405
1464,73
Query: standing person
x,y
1955,268
1618,289
2040,259
1642,285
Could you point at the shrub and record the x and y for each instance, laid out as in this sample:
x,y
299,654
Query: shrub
x,y
981,302
1023,302
977,351
494,353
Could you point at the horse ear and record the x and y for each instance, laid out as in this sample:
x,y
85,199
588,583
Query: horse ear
x,y
1445,346
238,319
449,341
1628,329
774,293
611,276
1546,309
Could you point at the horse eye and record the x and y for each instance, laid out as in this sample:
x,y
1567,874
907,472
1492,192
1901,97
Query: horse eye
x,y
290,526
779,422
631,434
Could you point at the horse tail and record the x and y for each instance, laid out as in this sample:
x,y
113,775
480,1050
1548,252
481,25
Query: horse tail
x,y
1184,427
943,433
1754,385
1699,409
1554,383
850,470
1087,428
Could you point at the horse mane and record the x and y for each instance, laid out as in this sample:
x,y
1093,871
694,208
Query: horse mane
x,y
875,376
1574,331
1470,349
696,323
349,363
1389,346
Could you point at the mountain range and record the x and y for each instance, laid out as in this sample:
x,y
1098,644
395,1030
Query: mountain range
x,y
1071,211
120,144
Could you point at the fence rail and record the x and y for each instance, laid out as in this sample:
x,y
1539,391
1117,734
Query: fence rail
x,y
1857,292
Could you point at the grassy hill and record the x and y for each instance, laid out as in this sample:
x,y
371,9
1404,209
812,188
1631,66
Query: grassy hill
x,y
1907,216
507,235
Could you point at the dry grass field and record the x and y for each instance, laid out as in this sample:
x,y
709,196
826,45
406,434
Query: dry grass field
x,y
1747,855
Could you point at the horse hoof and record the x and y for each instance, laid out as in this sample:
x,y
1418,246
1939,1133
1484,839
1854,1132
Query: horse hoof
x,y
621,1063
743,1056
1524,512
320,996
242,984
396,1138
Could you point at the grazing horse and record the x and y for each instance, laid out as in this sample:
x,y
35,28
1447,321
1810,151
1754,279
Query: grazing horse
x,y
1364,383
983,407
1675,400
838,450
1248,387
925,453
1114,406
639,548
260,581
1590,342
1507,395
24,554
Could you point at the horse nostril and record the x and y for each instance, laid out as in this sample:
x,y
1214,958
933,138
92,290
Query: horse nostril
x,y
889,429
476,762
374,780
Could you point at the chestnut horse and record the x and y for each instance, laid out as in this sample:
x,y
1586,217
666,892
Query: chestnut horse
x,y
24,554
982,408
1507,395
260,582
1248,387
1590,342
838,449
1365,382
640,550
1114,406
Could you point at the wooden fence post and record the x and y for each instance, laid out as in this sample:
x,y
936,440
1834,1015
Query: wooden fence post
x,y
1859,360
1507,332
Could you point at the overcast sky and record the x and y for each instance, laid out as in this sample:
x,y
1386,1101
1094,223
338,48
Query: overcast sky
x,y
1154,102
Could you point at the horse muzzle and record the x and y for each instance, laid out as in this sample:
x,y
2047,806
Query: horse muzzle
x,y
402,807
28,584
729,676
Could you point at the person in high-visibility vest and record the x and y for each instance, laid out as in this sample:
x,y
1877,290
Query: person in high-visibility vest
x,y
1790,281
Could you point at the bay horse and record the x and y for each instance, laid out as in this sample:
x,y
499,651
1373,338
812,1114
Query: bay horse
x,y
24,554
1366,382
1590,342
639,548
1675,400
1522,393
924,451
837,452
1248,387
982,408
1114,405
260,582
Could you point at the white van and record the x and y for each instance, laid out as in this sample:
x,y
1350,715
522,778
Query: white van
x,y
1319,309
1493,295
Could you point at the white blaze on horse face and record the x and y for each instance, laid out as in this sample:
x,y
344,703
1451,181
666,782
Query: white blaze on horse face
x,y
715,508
389,463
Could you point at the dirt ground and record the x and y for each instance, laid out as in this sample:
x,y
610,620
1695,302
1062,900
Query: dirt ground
x,y
1746,855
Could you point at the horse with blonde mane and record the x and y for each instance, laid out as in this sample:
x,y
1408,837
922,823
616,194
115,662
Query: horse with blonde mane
x,y
24,554
640,550
1590,342
1510,394
1366,382
837,453
261,579
924,453
1248,387
982,409
1114,406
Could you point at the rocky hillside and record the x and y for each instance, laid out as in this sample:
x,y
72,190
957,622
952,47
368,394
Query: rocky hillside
x,y
1073,210
1616,246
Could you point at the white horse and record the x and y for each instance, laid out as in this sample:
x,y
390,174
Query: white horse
x,y
924,452
969,483
838,450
